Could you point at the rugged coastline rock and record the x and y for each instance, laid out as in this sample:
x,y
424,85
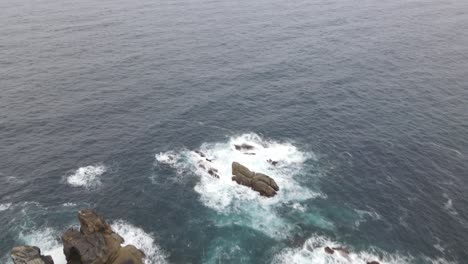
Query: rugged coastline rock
x,y
205,163
96,243
329,250
243,146
259,182
29,255
93,243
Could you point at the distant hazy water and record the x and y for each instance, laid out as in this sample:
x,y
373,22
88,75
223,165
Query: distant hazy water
x,y
364,102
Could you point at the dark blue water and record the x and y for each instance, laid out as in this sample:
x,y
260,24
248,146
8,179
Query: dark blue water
x,y
364,103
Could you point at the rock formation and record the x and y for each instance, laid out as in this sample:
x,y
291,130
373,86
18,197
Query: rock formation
x,y
259,182
96,243
205,164
272,162
329,250
244,146
29,255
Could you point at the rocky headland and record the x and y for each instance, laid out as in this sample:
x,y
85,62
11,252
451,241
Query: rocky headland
x,y
93,243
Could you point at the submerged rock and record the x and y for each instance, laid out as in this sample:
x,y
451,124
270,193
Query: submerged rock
x,y
329,250
29,255
272,162
200,153
373,262
341,249
259,182
244,146
96,243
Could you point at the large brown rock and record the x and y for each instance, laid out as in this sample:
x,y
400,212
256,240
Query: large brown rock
x,y
96,243
29,255
129,255
259,182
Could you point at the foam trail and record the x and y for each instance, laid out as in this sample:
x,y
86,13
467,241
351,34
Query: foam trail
x,y
87,177
5,206
141,240
243,205
313,251
364,215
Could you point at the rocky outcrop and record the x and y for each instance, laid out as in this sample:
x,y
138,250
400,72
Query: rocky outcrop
x,y
259,182
206,164
329,250
96,243
243,146
29,255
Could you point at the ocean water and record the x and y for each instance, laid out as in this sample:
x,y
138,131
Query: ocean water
x,y
364,104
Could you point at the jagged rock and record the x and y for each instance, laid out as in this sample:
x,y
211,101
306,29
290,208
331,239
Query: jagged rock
x,y
329,250
91,222
213,172
343,252
29,255
129,255
96,243
342,249
200,153
272,162
244,146
259,182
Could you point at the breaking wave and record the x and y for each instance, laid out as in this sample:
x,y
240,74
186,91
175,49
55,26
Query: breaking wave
x,y
238,204
313,251
48,240
87,177
140,239
5,206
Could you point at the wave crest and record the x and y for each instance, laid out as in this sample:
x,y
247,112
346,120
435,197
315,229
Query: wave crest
x,y
87,177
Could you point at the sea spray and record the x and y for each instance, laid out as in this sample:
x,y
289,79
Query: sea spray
x,y
140,239
238,204
87,177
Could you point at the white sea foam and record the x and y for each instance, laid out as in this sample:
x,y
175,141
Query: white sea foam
x,y
5,206
244,206
140,239
449,205
313,251
169,157
87,177
48,240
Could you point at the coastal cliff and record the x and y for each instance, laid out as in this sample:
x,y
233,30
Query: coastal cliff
x,y
93,243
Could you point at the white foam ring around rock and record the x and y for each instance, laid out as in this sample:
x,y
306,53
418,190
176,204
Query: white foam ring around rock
x,y
244,206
